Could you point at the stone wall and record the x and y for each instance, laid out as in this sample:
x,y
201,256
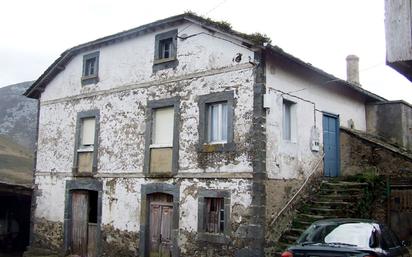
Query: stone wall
x,y
360,152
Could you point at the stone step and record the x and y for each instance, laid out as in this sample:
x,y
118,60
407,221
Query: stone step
x,y
302,224
288,239
341,191
312,217
343,184
295,231
328,211
339,197
340,204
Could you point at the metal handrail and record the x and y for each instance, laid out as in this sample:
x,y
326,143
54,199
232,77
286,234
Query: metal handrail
x,y
297,192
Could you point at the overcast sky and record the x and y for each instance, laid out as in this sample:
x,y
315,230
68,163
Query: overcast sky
x,y
321,32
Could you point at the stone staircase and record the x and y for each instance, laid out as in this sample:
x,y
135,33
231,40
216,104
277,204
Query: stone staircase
x,y
335,199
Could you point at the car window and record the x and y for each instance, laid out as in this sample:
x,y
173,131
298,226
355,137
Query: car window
x,y
355,233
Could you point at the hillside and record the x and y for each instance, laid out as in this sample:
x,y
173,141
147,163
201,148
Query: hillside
x,y
18,115
16,163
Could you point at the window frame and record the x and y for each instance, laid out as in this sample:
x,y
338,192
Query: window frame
x,y
219,238
151,106
90,78
204,102
292,120
165,63
77,145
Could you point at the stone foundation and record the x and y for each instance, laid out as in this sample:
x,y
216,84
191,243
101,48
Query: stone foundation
x,y
117,243
48,234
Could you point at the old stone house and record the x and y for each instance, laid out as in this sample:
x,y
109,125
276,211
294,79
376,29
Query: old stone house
x,y
181,137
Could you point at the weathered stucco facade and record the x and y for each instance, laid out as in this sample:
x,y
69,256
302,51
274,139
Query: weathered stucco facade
x,y
127,82
120,83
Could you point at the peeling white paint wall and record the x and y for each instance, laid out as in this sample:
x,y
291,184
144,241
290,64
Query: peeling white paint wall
x,y
126,83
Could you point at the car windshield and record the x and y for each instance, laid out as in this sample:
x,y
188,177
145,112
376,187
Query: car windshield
x,y
355,234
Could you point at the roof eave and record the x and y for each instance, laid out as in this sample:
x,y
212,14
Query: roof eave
x,y
38,86
329,77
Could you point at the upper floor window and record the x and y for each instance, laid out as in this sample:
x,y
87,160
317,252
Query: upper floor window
x,y
289,120
216,121
161,152
88,133
165,50
90,68
85,153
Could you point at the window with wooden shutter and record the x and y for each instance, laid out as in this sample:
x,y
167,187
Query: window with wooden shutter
x,y
161,149
214,216
88,131
85,161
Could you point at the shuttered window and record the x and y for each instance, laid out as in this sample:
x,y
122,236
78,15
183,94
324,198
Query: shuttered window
x,y
163,123
214,216
88,131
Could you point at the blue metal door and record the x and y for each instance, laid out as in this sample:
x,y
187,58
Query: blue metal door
x,y
331,145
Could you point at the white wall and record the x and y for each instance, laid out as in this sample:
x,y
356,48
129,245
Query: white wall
x,y
295,159
126,84
130,62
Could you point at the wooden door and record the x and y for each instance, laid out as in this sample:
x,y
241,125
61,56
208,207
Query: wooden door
x,y
400,212
331,145
80,210
160,228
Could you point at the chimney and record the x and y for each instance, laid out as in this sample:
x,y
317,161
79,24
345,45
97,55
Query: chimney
x,y
352,69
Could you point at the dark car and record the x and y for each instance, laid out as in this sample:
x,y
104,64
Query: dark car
x,y
347,238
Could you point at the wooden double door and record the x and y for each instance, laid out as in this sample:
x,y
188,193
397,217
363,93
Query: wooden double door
x,y
160,225
84,223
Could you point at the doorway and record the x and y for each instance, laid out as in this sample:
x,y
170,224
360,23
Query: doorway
x,y
331,149
160,225
84,223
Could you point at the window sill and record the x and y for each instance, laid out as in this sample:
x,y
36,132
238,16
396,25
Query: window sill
x,y
215,147
76,173
162,64
288,141
165,174
213,238
159,61
92,79
85,150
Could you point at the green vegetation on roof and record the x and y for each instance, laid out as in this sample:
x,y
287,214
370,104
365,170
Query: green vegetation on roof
x,y
256,38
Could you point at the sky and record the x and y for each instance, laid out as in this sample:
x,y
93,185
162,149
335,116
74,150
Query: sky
x,y
321,32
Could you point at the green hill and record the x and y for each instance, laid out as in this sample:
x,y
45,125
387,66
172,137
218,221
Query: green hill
x,y
16,163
